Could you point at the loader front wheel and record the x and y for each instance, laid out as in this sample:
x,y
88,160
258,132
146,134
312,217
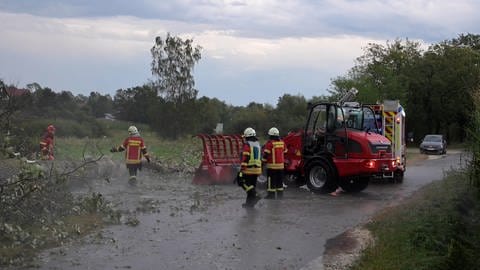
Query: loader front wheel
x,y
320,177
355,184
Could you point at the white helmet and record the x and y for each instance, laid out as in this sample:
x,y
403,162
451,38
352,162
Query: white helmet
x,y
273,132
249,132
132,130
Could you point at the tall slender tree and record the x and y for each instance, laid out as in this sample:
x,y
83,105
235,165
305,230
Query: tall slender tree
x,y
172,65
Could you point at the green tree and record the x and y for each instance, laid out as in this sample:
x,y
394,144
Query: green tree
x,y
290,113
255,115
466,40
440,92
209,112
172,65
382,72
44,101
33,87
136,104
99,104
66,106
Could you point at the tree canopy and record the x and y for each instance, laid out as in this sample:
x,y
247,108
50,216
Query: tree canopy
x,y
173,60
435,85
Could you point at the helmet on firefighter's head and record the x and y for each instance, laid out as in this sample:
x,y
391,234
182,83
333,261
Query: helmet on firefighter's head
x,y
132,130
51,128
273,132
249,132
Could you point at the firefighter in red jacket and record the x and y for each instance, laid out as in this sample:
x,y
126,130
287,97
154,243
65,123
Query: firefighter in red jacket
x,y
47,143
273,156
251,167
134,148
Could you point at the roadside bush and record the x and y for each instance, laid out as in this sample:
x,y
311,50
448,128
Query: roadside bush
x,y
474,168
38,211
437,229
35,127
474,143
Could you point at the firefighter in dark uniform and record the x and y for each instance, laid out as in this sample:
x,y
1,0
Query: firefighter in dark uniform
x,y
47,143
251,167
134,148
274,157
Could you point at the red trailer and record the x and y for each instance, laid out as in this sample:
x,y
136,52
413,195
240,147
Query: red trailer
x,y
220,160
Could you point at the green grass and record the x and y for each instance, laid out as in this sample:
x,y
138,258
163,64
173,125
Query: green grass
x,y
183,151
439,228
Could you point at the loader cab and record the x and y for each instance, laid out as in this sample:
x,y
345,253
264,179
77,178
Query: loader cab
x,y
340,148
322,127
330,127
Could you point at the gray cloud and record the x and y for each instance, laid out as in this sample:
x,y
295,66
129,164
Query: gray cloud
x,y
262,48
428,20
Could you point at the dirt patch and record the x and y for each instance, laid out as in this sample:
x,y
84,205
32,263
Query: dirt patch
x,y
343,250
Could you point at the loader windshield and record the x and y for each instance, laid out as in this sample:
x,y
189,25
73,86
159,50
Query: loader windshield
x,y
317,120
360,118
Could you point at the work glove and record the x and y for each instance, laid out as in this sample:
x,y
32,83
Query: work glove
x,y
113,149
148,159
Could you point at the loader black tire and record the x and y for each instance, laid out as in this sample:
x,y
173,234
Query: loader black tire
x,y
355,184
398,177
320,177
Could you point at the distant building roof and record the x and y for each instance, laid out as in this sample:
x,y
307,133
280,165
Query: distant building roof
x,y
16,92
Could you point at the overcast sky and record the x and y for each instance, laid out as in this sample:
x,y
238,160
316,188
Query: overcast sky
x,y
252,50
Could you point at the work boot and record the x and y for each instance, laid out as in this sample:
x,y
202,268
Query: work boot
x,y
132,180
255,200
252,199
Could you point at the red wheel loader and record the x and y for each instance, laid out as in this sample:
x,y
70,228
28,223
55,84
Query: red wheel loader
x,y
337,147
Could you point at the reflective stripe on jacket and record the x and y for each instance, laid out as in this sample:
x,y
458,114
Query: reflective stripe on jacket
x,y
251,158
273,154
134,147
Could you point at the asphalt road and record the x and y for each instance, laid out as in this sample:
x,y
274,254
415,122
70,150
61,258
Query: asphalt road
x,y
183,226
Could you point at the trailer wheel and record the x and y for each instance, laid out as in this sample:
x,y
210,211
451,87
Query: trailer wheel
x,y
355,184
320,177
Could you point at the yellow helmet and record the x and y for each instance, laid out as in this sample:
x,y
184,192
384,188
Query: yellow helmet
x,y
273,132
249,132
132,130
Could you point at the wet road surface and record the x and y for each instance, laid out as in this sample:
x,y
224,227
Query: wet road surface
x,y
182,226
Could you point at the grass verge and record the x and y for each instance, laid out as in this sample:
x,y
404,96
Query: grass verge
x,y
182,152
438,228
